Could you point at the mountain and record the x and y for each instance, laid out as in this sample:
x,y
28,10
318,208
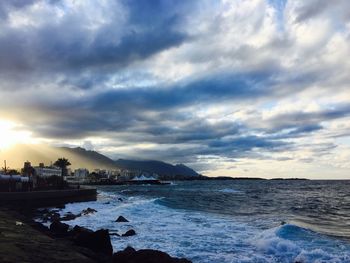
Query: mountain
x,y
165,170
82,158
88,158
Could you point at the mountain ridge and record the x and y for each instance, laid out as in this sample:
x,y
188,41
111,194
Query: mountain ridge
x,y
158,167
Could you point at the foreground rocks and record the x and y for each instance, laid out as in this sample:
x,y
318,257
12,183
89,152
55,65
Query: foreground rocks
x,y
98,241
53,215
59,228
130,255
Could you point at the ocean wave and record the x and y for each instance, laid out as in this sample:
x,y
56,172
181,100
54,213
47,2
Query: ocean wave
x,y
291,243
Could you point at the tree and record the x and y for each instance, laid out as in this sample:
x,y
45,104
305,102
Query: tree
x,y
62,163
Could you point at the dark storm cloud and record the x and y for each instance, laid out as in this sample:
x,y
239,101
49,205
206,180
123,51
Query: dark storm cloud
x,y
304,122
7,6
68,45
132,108
209,89
230,149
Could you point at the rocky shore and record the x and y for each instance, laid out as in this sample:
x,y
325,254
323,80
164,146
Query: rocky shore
x,y
24,240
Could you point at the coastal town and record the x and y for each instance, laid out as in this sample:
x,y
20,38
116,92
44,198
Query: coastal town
x,y
58,175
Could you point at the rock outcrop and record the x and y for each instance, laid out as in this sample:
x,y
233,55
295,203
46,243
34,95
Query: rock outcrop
x,y
98,241
59,228
121,219
88,211
129,233
69,216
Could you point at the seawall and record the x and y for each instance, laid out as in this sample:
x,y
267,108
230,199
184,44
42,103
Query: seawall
x,y
47,198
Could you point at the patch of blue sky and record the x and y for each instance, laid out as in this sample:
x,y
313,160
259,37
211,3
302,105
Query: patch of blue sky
x,y
279,6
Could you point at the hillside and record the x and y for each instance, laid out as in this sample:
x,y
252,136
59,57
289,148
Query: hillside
x,y
158,167
79,157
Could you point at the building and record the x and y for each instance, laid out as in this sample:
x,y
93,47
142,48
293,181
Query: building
x,y
81,175
47,171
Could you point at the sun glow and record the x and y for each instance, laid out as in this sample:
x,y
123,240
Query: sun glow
x,y
10,134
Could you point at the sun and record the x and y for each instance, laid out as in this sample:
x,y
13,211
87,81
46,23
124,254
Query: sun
x,y
11,134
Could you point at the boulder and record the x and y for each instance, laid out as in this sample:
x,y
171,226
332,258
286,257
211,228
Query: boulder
x,y
130,255
59,228
98,241
121,219
88,211
129,233
77,230
69,216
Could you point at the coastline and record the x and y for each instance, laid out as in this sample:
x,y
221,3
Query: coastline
x,y
21,242
24,240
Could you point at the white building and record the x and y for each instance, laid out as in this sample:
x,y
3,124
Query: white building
x,y
47,171
81,173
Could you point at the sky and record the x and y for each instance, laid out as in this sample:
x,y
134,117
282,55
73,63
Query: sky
x,y
254,88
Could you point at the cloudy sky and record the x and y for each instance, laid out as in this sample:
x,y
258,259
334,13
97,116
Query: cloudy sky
x,y
231,87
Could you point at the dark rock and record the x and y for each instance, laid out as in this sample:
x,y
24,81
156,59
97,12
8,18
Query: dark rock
x,y
51,216
121,219
130,255
120,199
69,216
77,230
98,241
59,228
129,233
88,211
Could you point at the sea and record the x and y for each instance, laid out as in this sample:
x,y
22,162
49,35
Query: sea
x,y
228,221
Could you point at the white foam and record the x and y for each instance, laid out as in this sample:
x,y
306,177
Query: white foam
x,y
305,247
